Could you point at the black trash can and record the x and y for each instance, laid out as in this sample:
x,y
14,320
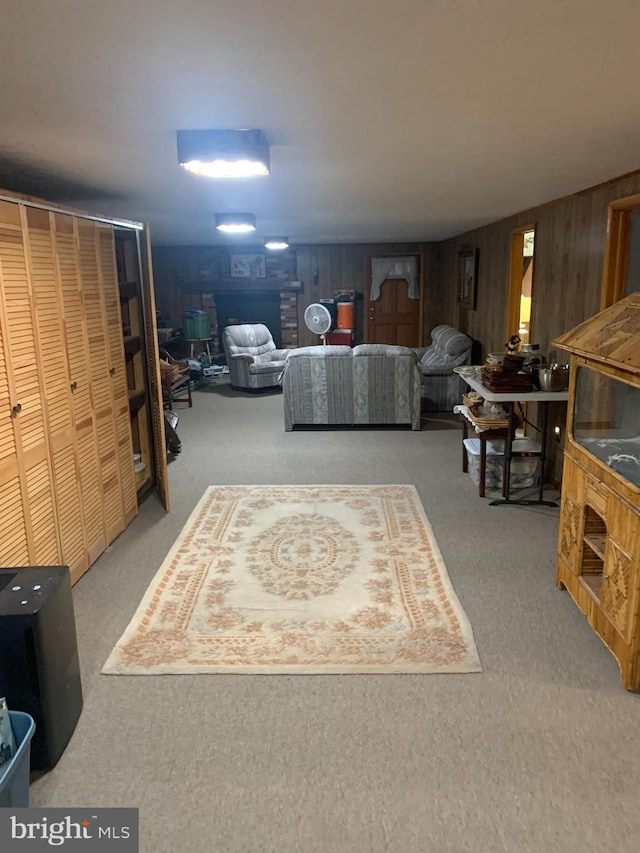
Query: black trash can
x,y
39,666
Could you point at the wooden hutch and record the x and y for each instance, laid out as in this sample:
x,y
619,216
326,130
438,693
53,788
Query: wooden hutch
x,y
599,540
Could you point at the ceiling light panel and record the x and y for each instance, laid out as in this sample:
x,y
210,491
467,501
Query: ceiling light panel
x,y
235,223
276,243
224,153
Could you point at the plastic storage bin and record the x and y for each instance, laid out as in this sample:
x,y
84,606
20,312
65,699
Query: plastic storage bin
x,y
524,470
14,775
196,325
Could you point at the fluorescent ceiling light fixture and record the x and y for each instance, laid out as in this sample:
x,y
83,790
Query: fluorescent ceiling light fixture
x,y
224,153
235,223
276,243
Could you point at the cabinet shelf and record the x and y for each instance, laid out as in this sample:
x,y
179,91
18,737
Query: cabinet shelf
x,y
128,290
136,400
132,344
592,584
596,543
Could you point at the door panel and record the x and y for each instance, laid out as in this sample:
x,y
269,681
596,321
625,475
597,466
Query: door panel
x,y
14,549
50,333
394,318
24,383
76,344
101,389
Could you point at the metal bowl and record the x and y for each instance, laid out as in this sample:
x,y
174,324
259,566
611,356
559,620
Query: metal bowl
x,y
551,377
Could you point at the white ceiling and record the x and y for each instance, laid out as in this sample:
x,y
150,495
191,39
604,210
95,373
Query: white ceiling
x,y
388,119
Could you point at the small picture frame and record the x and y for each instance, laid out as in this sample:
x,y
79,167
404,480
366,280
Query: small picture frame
x,y
467,277
247,266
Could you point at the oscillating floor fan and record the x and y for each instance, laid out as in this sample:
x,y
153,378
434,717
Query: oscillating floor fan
x,y
318,319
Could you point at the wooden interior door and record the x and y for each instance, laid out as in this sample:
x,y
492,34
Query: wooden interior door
x,y
394,318
101,386
52,358
26,397
14,548
77,348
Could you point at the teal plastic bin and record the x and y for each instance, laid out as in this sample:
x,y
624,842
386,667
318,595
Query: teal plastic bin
x,y
14,775
196,325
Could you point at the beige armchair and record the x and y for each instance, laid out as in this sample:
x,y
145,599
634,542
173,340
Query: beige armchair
x,y
253,360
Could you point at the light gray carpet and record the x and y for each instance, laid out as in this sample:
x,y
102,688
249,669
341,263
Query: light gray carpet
x,y
540,752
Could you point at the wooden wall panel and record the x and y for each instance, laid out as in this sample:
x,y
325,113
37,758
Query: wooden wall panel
x,y
338,267
570,245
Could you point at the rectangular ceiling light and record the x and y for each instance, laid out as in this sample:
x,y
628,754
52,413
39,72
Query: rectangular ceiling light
x,y
224,153
276,243
235,223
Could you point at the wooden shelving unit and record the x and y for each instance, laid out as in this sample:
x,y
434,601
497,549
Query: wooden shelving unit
x,y
133,337
132,345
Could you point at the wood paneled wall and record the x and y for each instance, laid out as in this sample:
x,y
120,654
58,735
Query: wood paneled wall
x,y
570,247
178,280
346,267
570,244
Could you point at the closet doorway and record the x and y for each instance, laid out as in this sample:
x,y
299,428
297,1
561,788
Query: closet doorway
x,y
622,260
521,285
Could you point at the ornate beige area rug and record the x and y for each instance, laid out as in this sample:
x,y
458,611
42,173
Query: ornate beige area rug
x,y
300,579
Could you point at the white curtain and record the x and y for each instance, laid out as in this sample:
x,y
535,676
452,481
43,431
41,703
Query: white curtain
x,y
383,268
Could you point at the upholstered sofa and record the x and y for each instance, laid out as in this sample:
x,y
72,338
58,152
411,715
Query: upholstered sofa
x,y
253,360
442,389
336,385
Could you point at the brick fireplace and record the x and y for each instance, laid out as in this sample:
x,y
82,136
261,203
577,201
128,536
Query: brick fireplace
x,y
278,310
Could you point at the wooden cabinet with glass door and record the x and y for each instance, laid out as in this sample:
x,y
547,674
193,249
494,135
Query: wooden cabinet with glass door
x,y
599,538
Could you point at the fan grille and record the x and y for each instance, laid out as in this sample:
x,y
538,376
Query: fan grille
x,y
317,318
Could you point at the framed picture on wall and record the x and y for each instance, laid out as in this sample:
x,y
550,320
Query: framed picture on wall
x,y
248,266
467,277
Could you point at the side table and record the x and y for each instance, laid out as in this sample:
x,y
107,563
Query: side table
x,y
204,342
509,399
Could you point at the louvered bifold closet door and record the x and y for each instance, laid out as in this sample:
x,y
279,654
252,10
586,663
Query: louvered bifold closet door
x,y
52,356
24,380
14,550
101,390
77,346
117,370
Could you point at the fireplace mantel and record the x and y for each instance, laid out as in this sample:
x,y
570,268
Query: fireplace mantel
x,y
226,284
